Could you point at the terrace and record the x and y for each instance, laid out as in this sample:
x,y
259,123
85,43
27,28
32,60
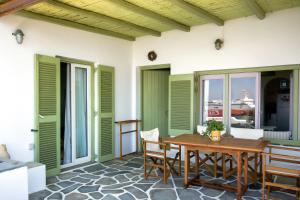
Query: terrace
x,y
98,96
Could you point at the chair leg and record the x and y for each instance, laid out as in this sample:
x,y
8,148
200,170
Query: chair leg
x,y
298,185
268,192
263,177
165,171
179,164
145,161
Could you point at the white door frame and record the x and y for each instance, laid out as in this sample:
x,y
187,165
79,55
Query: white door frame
x,y
76,161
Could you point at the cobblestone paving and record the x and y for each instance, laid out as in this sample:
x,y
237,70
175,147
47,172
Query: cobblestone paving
x,y
123,180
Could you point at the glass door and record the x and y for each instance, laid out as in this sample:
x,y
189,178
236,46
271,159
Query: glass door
x,y
244,100
81,113
212,102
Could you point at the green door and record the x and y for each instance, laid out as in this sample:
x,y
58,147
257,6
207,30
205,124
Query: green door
x,y
181,103
155,100
106,118
47,112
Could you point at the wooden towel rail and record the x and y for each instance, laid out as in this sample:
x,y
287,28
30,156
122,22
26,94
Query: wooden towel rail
x,y
121,123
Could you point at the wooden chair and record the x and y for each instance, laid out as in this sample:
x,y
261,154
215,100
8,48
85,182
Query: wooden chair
x,y
281,163
244,133
156,155
208,156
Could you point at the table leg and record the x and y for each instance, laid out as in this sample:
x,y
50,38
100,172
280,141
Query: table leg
x,y
239,176
186,167
246,173
121,157
197,163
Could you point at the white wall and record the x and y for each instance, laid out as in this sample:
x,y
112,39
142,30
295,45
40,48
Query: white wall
x,y
248,42
17,74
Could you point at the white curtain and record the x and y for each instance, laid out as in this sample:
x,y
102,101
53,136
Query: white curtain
x,y
68,125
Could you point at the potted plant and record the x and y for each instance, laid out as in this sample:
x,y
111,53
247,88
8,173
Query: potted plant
x,y
214,129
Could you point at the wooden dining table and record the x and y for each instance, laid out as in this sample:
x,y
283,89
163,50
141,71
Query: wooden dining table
x,y
229,145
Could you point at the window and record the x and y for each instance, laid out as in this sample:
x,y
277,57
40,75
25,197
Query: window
x,y
243,100
267,98
212,98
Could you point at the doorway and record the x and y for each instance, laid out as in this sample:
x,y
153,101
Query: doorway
x,y
75,142
277,100
155,98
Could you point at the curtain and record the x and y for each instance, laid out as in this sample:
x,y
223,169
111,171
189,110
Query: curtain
x,y
81,112
68,125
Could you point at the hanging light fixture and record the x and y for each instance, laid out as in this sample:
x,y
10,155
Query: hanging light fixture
x,y
19,36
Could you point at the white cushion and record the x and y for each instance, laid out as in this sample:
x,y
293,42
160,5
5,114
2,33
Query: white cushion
x,y
169,153
152,135
201,129
247,133
223,132
283,135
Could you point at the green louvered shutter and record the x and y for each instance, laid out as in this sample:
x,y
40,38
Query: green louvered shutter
x,y
47,111
106,78
181,98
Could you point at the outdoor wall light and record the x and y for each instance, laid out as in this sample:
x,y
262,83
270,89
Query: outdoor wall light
x,y
218,44
19,36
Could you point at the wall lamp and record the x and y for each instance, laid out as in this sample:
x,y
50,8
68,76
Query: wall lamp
x,y
19,36
219,44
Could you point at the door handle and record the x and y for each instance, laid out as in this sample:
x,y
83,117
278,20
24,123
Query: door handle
x,y
41,116
34,130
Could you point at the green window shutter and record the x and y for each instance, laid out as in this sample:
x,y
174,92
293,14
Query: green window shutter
x,y
181,102
106,135
47,112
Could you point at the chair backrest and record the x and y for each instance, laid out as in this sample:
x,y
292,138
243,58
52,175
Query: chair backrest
x,y
282,135
201,129
224,131
247,133
152,135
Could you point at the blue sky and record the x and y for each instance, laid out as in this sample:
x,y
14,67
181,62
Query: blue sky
x,y
237,85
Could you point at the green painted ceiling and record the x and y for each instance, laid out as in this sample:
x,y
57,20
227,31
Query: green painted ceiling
x,y
223,9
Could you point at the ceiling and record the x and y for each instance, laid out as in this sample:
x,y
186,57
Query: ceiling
x,y
129,19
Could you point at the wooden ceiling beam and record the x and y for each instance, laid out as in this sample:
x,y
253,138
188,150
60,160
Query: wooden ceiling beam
x,y
13,6
104,18
142,11
255,8
198,12
75,25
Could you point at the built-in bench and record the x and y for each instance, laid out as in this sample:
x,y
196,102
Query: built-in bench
x,y
36,176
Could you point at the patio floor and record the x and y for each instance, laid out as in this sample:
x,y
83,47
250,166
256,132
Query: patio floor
x,y
124,180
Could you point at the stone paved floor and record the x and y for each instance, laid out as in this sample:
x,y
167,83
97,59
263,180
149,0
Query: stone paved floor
x,y
124,180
